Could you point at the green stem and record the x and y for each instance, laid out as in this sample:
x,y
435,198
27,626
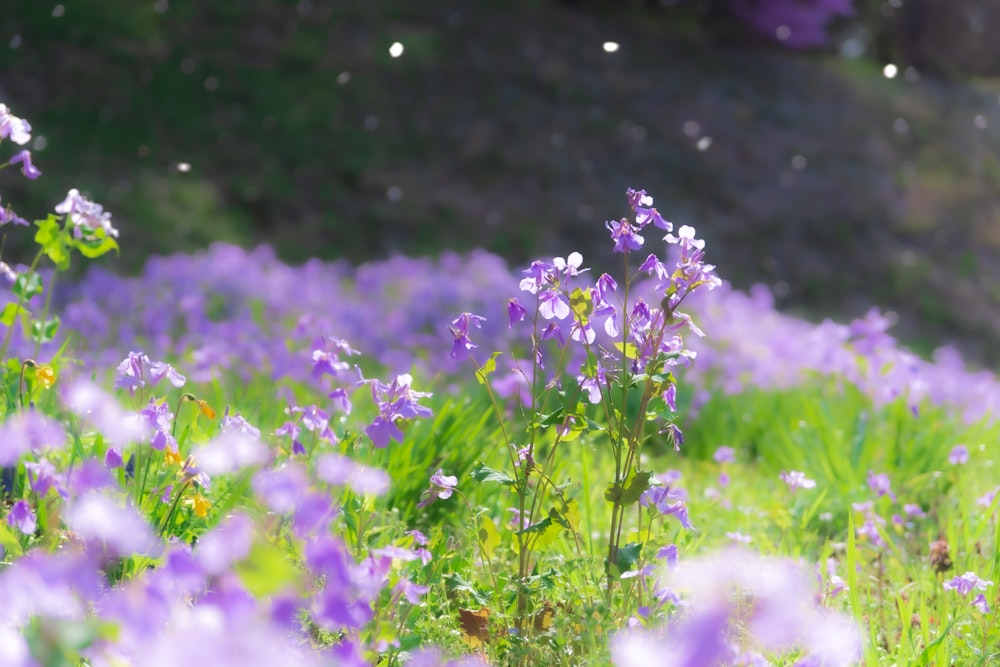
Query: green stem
x,y
20,303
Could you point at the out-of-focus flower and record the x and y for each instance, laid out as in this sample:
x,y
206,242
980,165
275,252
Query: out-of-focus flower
x,y
966,583
724,455
7,215
103,411
341,470
17,129
29,170
880,484
796,480
122,530
22,517
783,617
958,455
981,604
26,431
199,504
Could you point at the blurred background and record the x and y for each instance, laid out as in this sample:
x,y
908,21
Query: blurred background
x,y
844,153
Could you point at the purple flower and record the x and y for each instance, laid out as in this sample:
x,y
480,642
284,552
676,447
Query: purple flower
x,y
626,238
460,332
7,215
122,530
395,401
326,356
966,583
796,480
959,454
104,412
986,500
85,215
159,420
515,312
27,168
28,431
340,470
552,304
42,476
441,488
225,544
22,517
540,275
17,129
642,205
229,452
724,455
570,266
911,509
881,485
659,497
783,617
981,604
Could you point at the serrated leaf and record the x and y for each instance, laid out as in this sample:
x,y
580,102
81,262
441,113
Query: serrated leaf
x,y
482,473
543,533
628,556
553,418
483,372
635,484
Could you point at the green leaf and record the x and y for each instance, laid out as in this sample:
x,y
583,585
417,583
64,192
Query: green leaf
x,y
482,473
544,532
54,241
266,571
9,540
582,304
488,537
95,248
628,349
43,332
10,312
636,483
27,285
484,371
554,418
628,556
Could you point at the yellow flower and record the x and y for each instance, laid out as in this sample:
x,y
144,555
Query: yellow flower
x,y
206,409
172,457
46,375
200,504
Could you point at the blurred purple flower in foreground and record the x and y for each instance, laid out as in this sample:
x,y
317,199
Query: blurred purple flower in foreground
x,y
796,480
959,455
783,617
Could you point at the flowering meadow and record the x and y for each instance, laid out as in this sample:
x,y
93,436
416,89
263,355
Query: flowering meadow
x,y
227,460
